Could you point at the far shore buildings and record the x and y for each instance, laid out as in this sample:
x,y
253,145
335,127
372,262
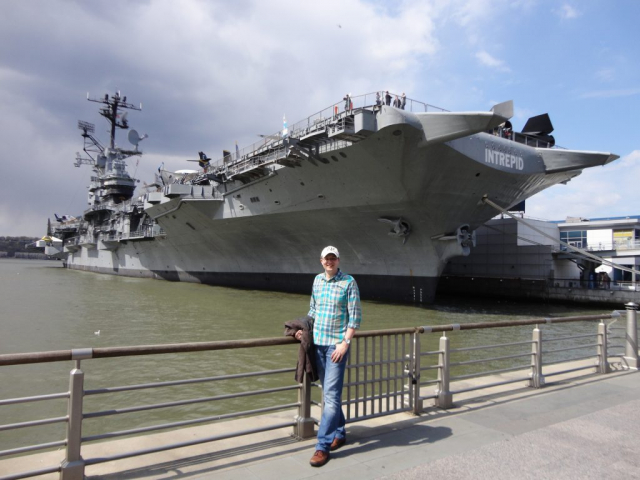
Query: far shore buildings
x,y
516,260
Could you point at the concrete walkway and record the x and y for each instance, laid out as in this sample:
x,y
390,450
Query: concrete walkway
x,y
576,427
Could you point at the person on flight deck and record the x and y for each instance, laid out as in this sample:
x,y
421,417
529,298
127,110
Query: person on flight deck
x,y
403,101
347,102
387,98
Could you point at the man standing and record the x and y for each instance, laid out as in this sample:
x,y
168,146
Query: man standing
x,y
335,306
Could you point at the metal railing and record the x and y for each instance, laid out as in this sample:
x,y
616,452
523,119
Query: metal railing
x,y
386,374
605,246
596,284
317,120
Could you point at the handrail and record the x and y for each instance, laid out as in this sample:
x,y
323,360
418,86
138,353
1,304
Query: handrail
x,y
358,101
606,246
110,352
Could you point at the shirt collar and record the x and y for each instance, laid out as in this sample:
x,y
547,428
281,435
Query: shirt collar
x,y
336,277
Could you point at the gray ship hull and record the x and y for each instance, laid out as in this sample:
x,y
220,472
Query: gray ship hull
x,y
398,203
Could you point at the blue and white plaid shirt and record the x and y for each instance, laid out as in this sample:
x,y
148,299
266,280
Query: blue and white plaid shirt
x,y
335,306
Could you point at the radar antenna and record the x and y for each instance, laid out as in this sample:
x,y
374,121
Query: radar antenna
x,y
111,111
91,144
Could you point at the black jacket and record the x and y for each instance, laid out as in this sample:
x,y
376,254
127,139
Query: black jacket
x,y
306,353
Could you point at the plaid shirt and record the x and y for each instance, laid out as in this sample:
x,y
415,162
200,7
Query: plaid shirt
x,y
335,306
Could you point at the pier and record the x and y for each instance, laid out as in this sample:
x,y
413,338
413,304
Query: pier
x,y
410,411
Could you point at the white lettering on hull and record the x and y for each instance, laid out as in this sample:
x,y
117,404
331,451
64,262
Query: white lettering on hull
x,y
502,159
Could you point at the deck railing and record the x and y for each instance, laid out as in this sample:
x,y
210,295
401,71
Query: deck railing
x,y
389,371
366,101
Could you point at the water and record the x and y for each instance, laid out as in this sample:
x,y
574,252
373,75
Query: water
x,y
46,307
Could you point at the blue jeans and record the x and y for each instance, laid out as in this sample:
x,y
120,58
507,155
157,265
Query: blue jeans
x,y
332,377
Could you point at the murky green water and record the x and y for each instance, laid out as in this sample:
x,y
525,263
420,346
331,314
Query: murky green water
x,y
46,307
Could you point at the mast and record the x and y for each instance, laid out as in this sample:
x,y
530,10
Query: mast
x,y
111,112
112,183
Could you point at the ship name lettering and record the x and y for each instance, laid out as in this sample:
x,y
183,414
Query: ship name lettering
x,y
503,159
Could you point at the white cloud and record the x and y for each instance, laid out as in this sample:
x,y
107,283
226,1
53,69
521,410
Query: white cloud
x,y
605,74
568,12
598,192
621,92
488,60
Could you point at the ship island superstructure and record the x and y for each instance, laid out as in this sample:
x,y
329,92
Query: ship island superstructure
x,y
398,190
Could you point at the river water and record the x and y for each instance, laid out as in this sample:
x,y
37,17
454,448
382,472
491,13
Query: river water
x,y
46,307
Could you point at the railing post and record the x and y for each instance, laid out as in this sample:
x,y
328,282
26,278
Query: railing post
x,y
304,427
72,467
537,379
603,356
631,350
415,374
444,397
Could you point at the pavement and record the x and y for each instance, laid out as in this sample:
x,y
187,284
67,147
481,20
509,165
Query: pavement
x,y
580,426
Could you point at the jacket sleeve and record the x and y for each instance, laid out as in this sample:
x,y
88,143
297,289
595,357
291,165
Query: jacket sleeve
x,y
312,303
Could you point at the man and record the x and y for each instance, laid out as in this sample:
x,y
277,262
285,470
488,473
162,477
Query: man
x,y
335,306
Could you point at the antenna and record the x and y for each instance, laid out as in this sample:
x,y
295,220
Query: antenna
x,y
135,138
86,127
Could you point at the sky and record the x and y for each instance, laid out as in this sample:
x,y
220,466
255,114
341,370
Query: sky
x,y
210,73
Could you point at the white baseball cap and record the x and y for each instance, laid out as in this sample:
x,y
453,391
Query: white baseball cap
x,y
328,250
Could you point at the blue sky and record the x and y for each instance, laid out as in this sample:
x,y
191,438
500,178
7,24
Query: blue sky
x,y
210,73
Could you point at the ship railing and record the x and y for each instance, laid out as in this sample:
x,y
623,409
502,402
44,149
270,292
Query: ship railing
x,y
597,283
143,232
110,237
317,121
72,241
528,140
256,161
388,371
147,231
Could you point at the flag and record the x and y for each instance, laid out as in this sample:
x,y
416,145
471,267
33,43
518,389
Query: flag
x,y
285,130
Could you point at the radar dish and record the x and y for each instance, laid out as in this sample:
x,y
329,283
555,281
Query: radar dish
x,y
134,138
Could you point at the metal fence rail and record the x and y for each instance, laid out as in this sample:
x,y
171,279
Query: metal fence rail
x,y
376,376
383,377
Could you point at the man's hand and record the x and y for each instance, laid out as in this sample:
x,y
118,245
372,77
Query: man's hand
x,y
339,353
299,335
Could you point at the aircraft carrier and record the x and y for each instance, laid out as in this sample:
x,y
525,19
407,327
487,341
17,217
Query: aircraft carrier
x,y
398,189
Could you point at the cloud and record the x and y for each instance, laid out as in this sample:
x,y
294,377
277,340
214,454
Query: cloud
x,y
621,92
605,74
567,12
597,192
487,60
